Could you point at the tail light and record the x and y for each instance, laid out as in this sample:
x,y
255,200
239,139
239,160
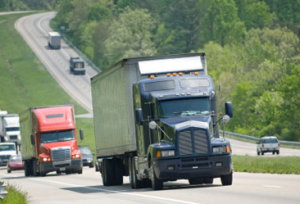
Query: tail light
x,y
278,144
263,145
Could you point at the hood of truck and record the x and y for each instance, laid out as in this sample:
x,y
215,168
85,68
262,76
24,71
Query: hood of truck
x,y
179,123
8,152
47,147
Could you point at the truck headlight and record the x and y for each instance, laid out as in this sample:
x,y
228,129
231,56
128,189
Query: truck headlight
x,y
221,149
168,153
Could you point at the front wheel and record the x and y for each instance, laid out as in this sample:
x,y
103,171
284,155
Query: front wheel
x,y
226,179
134,182
156,183
8,171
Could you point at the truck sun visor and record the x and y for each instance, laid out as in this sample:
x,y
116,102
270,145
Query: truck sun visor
x,y
170,65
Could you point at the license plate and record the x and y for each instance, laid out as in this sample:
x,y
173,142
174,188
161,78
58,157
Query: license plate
x,y
62,169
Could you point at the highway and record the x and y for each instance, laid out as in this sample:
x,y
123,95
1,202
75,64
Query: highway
x,y
87,188
34,29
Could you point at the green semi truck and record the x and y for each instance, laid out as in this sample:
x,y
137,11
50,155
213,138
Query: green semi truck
x,y
156,120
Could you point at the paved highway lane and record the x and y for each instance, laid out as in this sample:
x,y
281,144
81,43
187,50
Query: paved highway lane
x,y
87,188
34,29
246,148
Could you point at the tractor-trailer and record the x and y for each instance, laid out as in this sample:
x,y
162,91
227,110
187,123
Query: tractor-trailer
x,y
49,141
156,120
54,40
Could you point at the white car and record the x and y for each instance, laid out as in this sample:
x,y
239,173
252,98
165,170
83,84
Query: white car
x,y
268,144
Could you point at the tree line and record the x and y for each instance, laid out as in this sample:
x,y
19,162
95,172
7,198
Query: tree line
x,y
252,48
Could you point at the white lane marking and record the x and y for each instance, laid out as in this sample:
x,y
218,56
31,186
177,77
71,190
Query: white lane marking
x,y
268,186
108,191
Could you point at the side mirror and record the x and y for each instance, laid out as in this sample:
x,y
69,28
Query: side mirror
x,y
152,125
228,109
139,116
81,134
32,140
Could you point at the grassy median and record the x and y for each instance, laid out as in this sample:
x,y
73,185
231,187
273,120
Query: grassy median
x,y
14,196
274,165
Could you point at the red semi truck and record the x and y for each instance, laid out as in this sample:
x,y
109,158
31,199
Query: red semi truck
x,y
49,141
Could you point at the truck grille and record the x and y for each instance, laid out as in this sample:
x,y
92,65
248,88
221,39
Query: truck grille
x,y
13,137
60,154
193,142
4,157
201,144
185,143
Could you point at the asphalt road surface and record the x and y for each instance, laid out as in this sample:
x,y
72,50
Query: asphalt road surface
x,y
87,188
34,29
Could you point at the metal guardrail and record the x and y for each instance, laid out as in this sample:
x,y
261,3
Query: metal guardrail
x,y
80,53
256,138
3,192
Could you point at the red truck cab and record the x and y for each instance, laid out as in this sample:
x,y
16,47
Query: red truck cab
x,y
50,141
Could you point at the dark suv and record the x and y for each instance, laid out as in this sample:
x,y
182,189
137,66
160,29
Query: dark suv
x,y
87,157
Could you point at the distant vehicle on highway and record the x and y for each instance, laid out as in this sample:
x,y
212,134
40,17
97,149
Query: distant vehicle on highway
x,y
15,163
54,40
268,144
77,66
7,149
87,157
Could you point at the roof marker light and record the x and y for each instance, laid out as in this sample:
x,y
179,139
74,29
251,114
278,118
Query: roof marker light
x,y
152,77
196,73
174,74
168,75
180,74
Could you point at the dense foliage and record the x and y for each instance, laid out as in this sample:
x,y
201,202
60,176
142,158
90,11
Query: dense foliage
x,y
252,48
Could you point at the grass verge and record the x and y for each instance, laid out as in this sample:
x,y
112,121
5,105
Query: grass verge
x,y
274,165
14,196
24,82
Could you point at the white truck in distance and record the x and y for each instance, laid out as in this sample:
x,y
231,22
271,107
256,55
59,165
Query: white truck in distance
x,y
10,128
6,150
54,40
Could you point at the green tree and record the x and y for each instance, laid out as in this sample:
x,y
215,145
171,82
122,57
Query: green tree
x,y
130,36
222,24
254,13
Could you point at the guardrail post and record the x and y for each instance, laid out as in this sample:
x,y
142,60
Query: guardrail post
x,y
3,192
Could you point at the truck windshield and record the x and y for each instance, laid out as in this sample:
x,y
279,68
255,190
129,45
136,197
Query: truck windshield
x,y
57,136
184,107
7,147
12,129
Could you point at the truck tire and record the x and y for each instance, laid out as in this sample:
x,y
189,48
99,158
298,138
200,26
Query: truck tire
x,y
258,153
133,178
226,179
28,168
118,167
34,168
156,183
80,171
262,153
277,152
107,172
